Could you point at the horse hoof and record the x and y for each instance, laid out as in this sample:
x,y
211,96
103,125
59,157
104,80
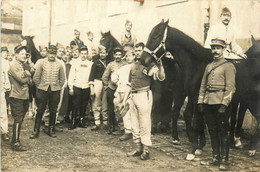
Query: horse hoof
x,y
176,142
238,143
198,152
190,157
251,152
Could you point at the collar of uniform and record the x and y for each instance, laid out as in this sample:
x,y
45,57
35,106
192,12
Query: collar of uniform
x,y
219,60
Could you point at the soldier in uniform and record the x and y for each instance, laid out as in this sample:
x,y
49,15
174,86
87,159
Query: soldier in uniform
x,y
76,42
216,91
49,79
19,95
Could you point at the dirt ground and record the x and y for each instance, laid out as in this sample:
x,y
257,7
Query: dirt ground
x,y
86,150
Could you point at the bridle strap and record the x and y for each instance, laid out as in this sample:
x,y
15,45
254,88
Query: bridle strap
x,y
161,45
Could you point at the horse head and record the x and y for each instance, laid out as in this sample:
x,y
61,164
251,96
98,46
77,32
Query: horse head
x,y
156,45
30,46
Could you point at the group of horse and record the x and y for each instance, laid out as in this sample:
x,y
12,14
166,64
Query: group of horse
x,y
183,78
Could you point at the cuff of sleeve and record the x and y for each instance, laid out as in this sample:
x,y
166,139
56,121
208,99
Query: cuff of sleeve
x,y
129,84
91,83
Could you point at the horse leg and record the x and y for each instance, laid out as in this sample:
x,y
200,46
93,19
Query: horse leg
x,y
240,119
188,118
176,113
234,107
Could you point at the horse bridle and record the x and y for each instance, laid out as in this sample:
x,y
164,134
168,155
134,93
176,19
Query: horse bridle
x,y
161,45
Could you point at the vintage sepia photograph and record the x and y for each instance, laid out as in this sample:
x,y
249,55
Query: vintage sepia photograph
x,y
130,85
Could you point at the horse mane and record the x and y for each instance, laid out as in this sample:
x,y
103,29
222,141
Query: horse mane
x,y
190,45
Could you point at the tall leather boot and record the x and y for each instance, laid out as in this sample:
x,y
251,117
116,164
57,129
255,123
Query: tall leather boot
x,y
73,120
146,154
16,144
37,126
52,131
224,148
52,125
82,121
138,151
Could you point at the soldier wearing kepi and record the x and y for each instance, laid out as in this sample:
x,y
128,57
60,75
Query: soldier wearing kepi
x,y
49,79
19,95
216,91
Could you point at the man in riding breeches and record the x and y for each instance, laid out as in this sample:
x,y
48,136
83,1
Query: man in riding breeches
x,y
216,91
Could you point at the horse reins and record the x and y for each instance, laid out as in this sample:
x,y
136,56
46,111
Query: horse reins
x,y
161,45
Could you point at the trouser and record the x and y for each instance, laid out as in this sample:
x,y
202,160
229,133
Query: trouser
x,y
99,104
80,101
43,98
19,108
111,113
3,116
218,127
140,111
119,97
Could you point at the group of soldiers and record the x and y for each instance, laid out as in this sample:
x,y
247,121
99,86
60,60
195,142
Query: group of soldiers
x,y
67,79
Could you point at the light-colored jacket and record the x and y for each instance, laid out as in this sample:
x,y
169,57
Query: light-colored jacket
x,y
225,33
218,85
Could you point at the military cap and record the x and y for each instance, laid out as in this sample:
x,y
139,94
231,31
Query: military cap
x,y
101,47
19,47
76,31
41,47
4,49
218,42
84,47
74,48
118,49
89,32
225,10
52,49
59,45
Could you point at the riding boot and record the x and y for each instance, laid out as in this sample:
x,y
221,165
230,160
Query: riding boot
x,y
52,132
82,121
77,118
37,126
138,151
73,120
16,144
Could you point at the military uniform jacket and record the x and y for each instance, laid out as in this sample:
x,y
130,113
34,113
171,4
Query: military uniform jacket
x,y
76,42
218,85
19,81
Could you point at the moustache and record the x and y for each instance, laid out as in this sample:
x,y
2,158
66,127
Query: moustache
x,y
215,54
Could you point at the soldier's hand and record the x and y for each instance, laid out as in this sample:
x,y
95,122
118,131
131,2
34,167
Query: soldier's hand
x,y
200,108
222,109
71,92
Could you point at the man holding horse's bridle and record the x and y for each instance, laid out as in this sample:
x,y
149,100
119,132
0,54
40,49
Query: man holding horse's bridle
x,y
225,31
216,91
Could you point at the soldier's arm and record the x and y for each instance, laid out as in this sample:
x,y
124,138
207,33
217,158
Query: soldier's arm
x,y
71,76
61,75
18,75
203,86
230,75
106,74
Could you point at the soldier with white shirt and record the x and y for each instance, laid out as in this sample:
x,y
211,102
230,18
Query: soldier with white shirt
x,y
78,82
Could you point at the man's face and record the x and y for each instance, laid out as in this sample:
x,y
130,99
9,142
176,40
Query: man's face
x,y
10,57
217,51
60,53
75,54
118,56
90,36
130,57
103,54
65,57
21,56
51,57
44,52
225,18
4,54
138,52
83,55
77,34
128,26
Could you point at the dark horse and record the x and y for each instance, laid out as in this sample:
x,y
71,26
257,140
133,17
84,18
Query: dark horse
x,y
192,59
163,93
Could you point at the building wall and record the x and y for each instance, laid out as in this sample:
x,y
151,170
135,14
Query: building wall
x,y
103,15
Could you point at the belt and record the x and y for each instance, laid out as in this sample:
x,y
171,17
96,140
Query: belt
x,y
145,89
214,91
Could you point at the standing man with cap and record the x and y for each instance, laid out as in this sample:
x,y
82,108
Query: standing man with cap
x,y
224,31
128,39
49,79
141,100
97,90
76,42
110,86
78,82
216,91
19,95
